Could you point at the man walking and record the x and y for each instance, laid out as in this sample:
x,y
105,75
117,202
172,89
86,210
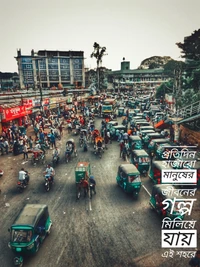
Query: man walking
x,y
25,151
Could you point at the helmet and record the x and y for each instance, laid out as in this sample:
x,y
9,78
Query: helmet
x,y
91,177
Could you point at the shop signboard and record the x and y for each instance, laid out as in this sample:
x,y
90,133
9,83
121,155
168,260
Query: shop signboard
x,y
14,113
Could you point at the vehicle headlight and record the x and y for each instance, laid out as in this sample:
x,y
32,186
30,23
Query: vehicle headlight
x,y
30,246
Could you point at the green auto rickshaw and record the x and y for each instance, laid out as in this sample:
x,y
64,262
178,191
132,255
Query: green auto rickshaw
x,y
143,133
82,171
141,160
146,113
162,149
137,110
27,233
154,143
135,122
135,142
117,128
150,136
120,111
141,123
128,178
162,197
131,114
110,124
132,104
142,128
155,172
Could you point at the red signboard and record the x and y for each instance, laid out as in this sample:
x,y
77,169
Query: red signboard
x,y
28,103
14,113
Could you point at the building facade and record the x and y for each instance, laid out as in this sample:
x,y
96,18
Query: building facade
x,y
9,81
50,68
127,78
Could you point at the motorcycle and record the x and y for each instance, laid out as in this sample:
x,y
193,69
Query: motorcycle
x,y
67,156
48,182
55,160
22,184
99,151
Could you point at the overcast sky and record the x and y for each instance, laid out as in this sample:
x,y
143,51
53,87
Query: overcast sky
x,y
134,29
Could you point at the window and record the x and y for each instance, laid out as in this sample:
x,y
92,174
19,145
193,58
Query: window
x,y
21,236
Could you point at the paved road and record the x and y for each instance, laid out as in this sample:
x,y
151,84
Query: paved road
x,y
111,230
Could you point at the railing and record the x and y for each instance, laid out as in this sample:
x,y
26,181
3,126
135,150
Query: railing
x,y
190,110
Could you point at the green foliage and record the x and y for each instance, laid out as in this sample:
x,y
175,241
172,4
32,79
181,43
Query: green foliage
x,y
171,66
164,88
191,46
98,53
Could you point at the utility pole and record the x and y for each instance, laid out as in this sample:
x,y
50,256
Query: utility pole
x,y
176,94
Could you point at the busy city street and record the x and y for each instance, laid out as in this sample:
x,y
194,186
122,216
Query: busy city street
x,y
111,228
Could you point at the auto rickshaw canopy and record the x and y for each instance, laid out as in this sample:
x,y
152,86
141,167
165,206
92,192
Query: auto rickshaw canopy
x,y
140,153
129,169
31,214
169,191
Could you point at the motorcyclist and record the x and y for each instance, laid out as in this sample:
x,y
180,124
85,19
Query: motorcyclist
x,y
92,183
68,148
23,176
56,153
50,172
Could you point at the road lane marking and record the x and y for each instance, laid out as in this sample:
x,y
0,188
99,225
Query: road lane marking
x,y
146,190
90,204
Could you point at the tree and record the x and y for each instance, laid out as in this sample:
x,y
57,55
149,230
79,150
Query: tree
x,y
171,66
98,53
191,46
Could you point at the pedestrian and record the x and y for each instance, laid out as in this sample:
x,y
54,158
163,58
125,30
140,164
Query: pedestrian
x,y
30,142
121,145
25,151
6,145
52,140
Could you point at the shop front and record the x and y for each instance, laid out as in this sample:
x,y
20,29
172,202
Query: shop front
x,y
13,114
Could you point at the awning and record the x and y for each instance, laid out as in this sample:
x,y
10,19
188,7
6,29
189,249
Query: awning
x,y
163,124
195,117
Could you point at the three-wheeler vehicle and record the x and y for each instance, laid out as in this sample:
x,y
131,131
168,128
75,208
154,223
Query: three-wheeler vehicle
x,y
110,124
132,104
154,110
143,128
163,149
128,178
146,113
135,122
150,136
27,233
154,143
135,142
131,114
120,111
143,133
141,160
119,128
82,171
166,193
155,171
141,123
137,110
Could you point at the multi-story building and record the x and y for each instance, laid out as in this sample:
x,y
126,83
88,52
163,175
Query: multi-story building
x,y
125,77
50,68
9,80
